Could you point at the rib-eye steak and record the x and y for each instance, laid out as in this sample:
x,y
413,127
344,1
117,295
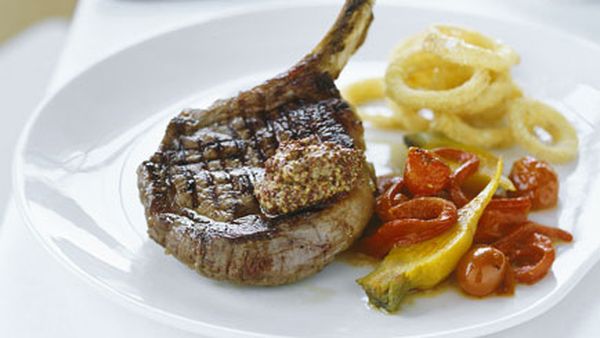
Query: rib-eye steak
x,y
267,187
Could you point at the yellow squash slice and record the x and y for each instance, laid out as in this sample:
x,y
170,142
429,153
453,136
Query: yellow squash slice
x,y
423,265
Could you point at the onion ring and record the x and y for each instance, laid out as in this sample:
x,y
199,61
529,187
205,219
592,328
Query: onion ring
x,y
365,91
490,116
501,88
408,118
455,128
368,90
410,81
526,114
468,47
381,120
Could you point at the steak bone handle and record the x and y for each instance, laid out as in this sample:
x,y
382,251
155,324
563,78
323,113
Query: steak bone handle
x,y
345,37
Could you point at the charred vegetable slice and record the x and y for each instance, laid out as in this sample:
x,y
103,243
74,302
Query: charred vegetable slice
x,y
423,265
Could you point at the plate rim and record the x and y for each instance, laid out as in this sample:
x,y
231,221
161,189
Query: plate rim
x,y
191,325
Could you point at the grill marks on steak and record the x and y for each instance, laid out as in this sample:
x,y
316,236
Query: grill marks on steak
x,y
198,188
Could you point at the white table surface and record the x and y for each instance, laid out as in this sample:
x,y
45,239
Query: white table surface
x,y
40,298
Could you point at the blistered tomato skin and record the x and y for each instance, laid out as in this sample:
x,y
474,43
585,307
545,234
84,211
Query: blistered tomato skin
x,y
410,222
481,271
533,262
391,196
502,216
536,180
424,173
530,250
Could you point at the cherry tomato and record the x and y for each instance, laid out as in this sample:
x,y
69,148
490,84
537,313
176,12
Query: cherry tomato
x,y
532,265
508,283
532,258
536,180
385,182
392,196
552,233
413,221
424,173
469,163
457,196
530,250
528,228
482,270
501,216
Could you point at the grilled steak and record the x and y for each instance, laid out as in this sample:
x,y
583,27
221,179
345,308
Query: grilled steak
x,y
200,189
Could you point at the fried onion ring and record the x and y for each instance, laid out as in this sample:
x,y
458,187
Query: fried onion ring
x,y
369,90
490,116
500,89
526,114
419,79
468,47
457,129
409,118
365,91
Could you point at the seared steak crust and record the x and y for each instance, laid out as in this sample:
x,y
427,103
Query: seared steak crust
x,y
198,188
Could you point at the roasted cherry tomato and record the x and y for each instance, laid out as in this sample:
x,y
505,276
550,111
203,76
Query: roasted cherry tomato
x,y
530,250
533,262
536,180
469,163
482,270
424,173
501,216
508,283
385,182
528,228
413,221
393,195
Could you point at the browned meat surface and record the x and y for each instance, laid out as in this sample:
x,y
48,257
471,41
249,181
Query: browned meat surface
x,y
198,189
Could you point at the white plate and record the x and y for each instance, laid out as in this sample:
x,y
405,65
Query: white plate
x,y
75,174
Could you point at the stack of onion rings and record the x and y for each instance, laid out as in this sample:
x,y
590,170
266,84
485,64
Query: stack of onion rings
x,y
464,78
